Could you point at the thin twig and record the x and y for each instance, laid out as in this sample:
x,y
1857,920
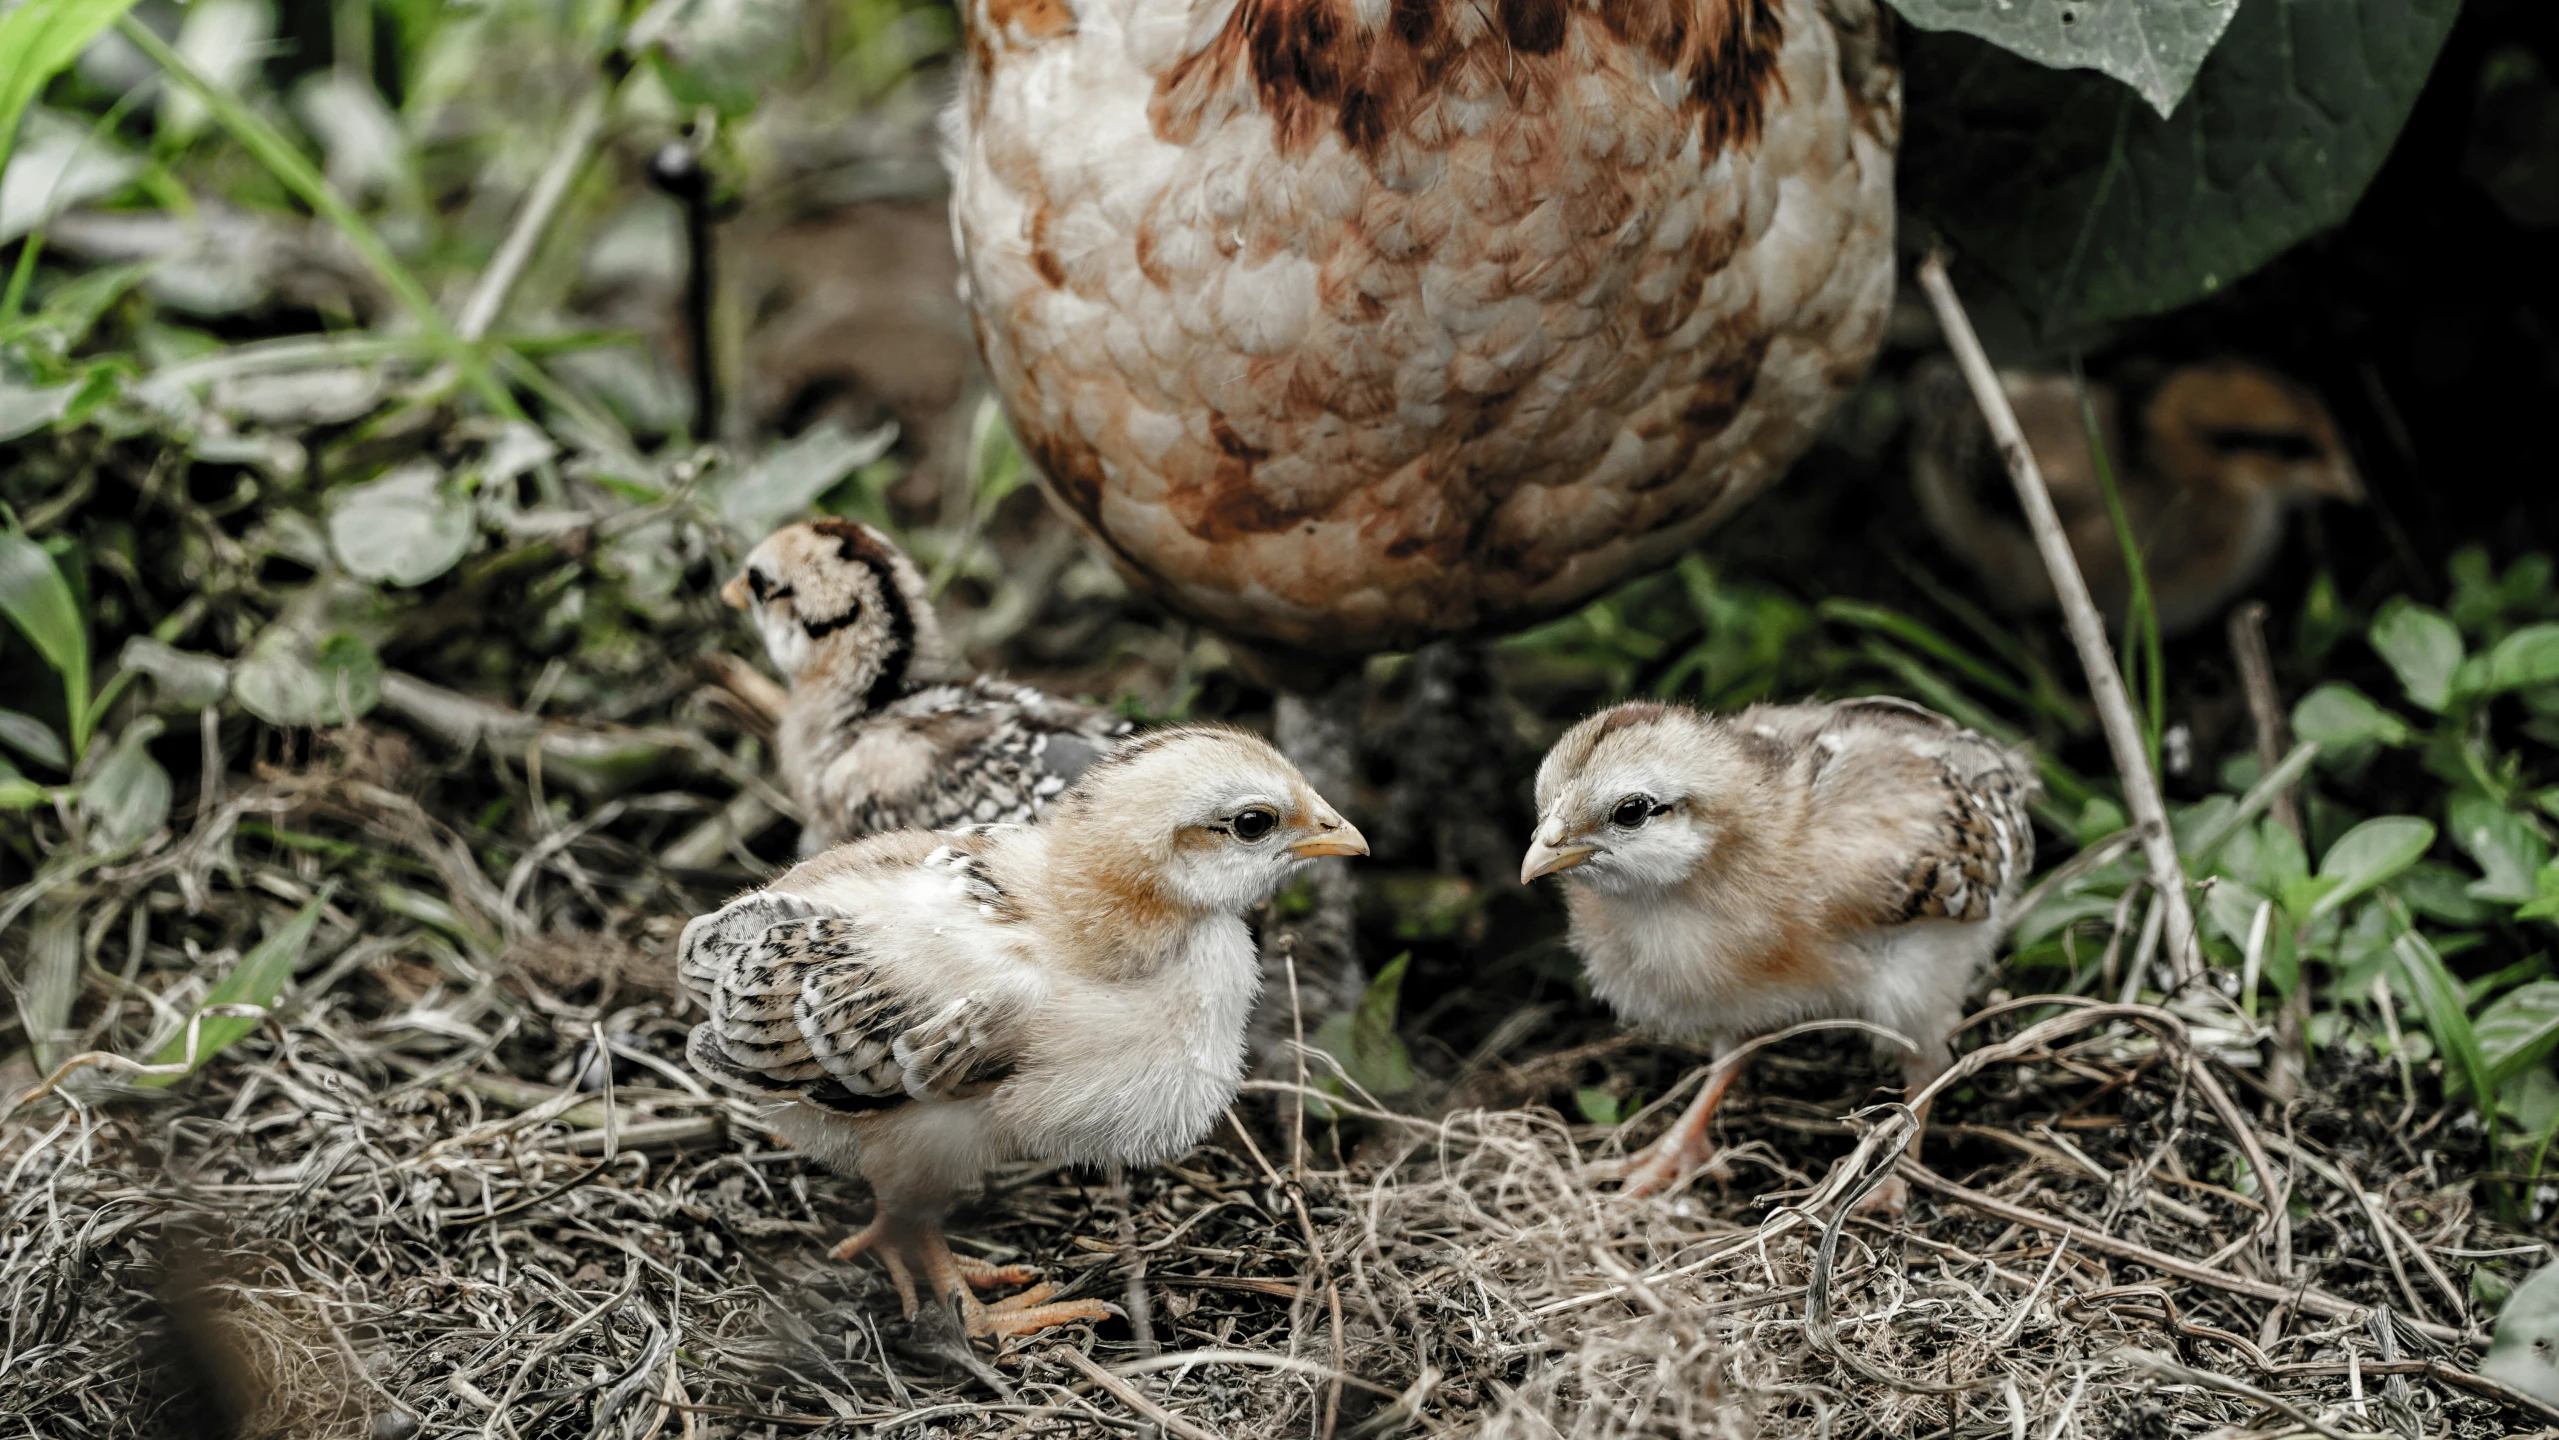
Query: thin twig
x,y
1130,1396
2079,611
2265,705
480,311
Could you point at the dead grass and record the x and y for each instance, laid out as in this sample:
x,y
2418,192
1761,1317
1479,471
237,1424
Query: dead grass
x,y
395,1212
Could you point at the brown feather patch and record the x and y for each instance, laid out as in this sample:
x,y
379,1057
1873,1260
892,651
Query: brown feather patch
x,y
1312,68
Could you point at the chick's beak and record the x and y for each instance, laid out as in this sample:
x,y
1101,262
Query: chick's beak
x,y
1333,836
734,592
1545,857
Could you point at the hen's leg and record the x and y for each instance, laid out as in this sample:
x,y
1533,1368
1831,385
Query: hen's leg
x,y
1678,1153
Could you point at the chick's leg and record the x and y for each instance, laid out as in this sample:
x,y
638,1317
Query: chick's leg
x,y
951,1278
1682,1150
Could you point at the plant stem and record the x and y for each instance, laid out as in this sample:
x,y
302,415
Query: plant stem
x,y
586,122
2079,611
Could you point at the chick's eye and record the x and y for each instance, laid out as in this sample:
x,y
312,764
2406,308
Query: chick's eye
x,y
1632,811
1255,824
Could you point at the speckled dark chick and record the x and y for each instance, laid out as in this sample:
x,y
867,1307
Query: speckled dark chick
x,y
876,736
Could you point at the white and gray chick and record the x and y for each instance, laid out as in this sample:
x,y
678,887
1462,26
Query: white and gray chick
x,y
875,737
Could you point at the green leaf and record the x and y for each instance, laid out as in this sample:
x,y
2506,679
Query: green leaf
x,y
1597,1106
1365,1042
2423,647
404,528
256,980
34,739
2527,1338
788,478
2518,1028
2342,719
2544,904
26,409
2369,855
2506,846
2086,206
289,678
41,38
127,796
2439,892
180,679
2530,656
2447,1019
2154,46
38,601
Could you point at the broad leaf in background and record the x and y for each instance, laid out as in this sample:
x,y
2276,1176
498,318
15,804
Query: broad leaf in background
x,y
225,40
2518,1028
38,601
788,478
1364,1040
2088,207
34,739
2528,657
38,40
2346,724
180,679
405,528
127,796
2369,855
2154,46
2507,847
57,165
256,980
2525,1353
2423,649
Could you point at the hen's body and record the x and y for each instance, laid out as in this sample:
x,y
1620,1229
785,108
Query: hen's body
x,y
1344,323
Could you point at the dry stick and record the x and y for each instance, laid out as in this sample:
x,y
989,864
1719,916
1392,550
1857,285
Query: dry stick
x,y
1135,1399
2315,1302
2265,705
2087,630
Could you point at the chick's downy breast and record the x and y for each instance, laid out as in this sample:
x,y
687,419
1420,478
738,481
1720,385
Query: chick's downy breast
x,y
1345,323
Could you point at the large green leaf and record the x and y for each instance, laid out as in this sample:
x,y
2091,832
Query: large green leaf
x,y
2155,46
2342,720
2518,1028
2422,646
2525,1353
404,528
38,601
2508,848
256,980
2369,855
2528,657
38,38
2086,206
1364,1039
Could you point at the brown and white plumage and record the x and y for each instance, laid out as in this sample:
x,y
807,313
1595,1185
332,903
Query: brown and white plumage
x,y
1343,324
924,1007
873,738
1731,875
2217,457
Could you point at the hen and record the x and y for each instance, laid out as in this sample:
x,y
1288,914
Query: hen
x,y
1732,875
871,738
923,1008
1344,324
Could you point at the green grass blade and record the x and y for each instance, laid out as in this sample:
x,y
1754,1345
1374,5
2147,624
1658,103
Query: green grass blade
x,y
38,601
40,38
296,173
2145,674
256,980
2439,996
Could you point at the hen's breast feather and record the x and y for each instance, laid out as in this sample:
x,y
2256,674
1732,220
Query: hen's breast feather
x,y
1533,337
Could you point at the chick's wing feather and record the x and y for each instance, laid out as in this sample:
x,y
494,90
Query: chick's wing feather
x,y
1924,819
892,983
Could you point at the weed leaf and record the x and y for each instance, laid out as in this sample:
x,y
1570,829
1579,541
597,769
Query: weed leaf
x,y
256,980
